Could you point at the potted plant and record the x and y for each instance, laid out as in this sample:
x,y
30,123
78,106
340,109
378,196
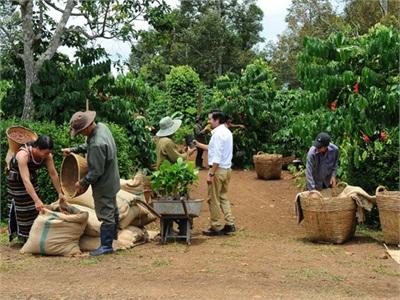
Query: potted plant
x,y
172,183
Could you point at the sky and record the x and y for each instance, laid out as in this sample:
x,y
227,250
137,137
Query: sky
x,y
273,25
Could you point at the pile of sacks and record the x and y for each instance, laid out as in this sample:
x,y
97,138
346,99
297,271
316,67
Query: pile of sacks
x,y
58,233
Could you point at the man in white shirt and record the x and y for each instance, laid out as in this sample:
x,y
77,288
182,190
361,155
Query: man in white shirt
x,y
220,151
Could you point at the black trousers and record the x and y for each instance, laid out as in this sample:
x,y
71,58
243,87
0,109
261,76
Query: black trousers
x,y
199,158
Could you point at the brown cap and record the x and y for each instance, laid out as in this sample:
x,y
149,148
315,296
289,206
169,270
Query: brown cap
x,y
80,121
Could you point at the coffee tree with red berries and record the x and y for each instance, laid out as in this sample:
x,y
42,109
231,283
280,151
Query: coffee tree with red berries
x,y
352,90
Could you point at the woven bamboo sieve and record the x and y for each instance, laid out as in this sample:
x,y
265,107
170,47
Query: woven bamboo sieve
x,y
73,168
389,214
268,166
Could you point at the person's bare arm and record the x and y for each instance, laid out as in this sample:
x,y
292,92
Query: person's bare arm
x,y
200,145
56,181
22,158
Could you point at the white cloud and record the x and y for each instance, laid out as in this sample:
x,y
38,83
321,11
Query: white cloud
x,y
274,17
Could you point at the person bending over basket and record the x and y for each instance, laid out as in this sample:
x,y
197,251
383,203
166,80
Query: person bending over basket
x,y
23,186
103,174
322,163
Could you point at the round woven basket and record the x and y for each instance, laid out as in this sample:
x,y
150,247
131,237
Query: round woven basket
x,y
268,166
328,219
389,213
73,168
18,135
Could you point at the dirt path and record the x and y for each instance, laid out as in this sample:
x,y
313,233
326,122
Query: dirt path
x,y
267,259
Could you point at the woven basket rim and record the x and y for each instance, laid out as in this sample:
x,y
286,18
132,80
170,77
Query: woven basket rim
x,y
15,128
75,157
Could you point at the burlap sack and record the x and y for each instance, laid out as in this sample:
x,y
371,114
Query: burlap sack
x,y
93,224
126,239
133,186
130,235
90,243
129,212
56,233
126,203
86,199
142,216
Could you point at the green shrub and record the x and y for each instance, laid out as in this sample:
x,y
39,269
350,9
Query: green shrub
x,y
174,180
62,139
183,85
248,100
182,132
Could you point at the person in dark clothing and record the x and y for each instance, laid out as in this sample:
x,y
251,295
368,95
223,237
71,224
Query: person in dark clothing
x,y
199,136
322,163
22,185
103,174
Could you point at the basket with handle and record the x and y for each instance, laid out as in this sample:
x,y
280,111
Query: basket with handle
x,y
389,214
268,166
328,218
73,168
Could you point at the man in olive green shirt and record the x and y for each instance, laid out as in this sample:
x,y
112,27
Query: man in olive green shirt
x,y
103,174
166,149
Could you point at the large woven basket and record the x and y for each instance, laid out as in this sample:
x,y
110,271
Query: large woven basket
x,y
73,168
328,218
268,166
389,213
18,136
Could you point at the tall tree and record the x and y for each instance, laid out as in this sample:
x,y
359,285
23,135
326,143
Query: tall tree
x,y
305,18
34,24
212,36
362,15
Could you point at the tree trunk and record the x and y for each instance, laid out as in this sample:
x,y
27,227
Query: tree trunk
x,y
30,78
30,72
31,67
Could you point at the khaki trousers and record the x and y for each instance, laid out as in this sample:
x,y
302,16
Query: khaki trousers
x,y
218,199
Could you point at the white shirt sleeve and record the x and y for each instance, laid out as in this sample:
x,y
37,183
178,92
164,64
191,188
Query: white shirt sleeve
x,y
218,150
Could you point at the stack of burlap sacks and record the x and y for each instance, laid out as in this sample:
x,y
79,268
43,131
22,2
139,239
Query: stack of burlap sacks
x,y
67,234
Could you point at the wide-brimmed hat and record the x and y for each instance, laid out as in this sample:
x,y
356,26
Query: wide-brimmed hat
x,y
323,139
80,121
168,126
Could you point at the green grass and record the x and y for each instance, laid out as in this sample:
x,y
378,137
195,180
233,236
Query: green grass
x,y
20,264
364,231
208,270
89,261
4,239
303,273
383,270
322,274
161,262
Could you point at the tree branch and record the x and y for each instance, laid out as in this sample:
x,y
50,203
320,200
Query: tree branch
x,y
80,30
39,35
23,2
56,39
48,2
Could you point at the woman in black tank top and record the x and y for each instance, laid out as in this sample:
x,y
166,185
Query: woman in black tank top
x,y
25,203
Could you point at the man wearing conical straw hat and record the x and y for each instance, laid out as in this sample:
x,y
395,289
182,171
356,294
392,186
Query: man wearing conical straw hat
x,y
166,149
103,174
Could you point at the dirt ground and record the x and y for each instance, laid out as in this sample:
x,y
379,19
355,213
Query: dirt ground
x,y
268,258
